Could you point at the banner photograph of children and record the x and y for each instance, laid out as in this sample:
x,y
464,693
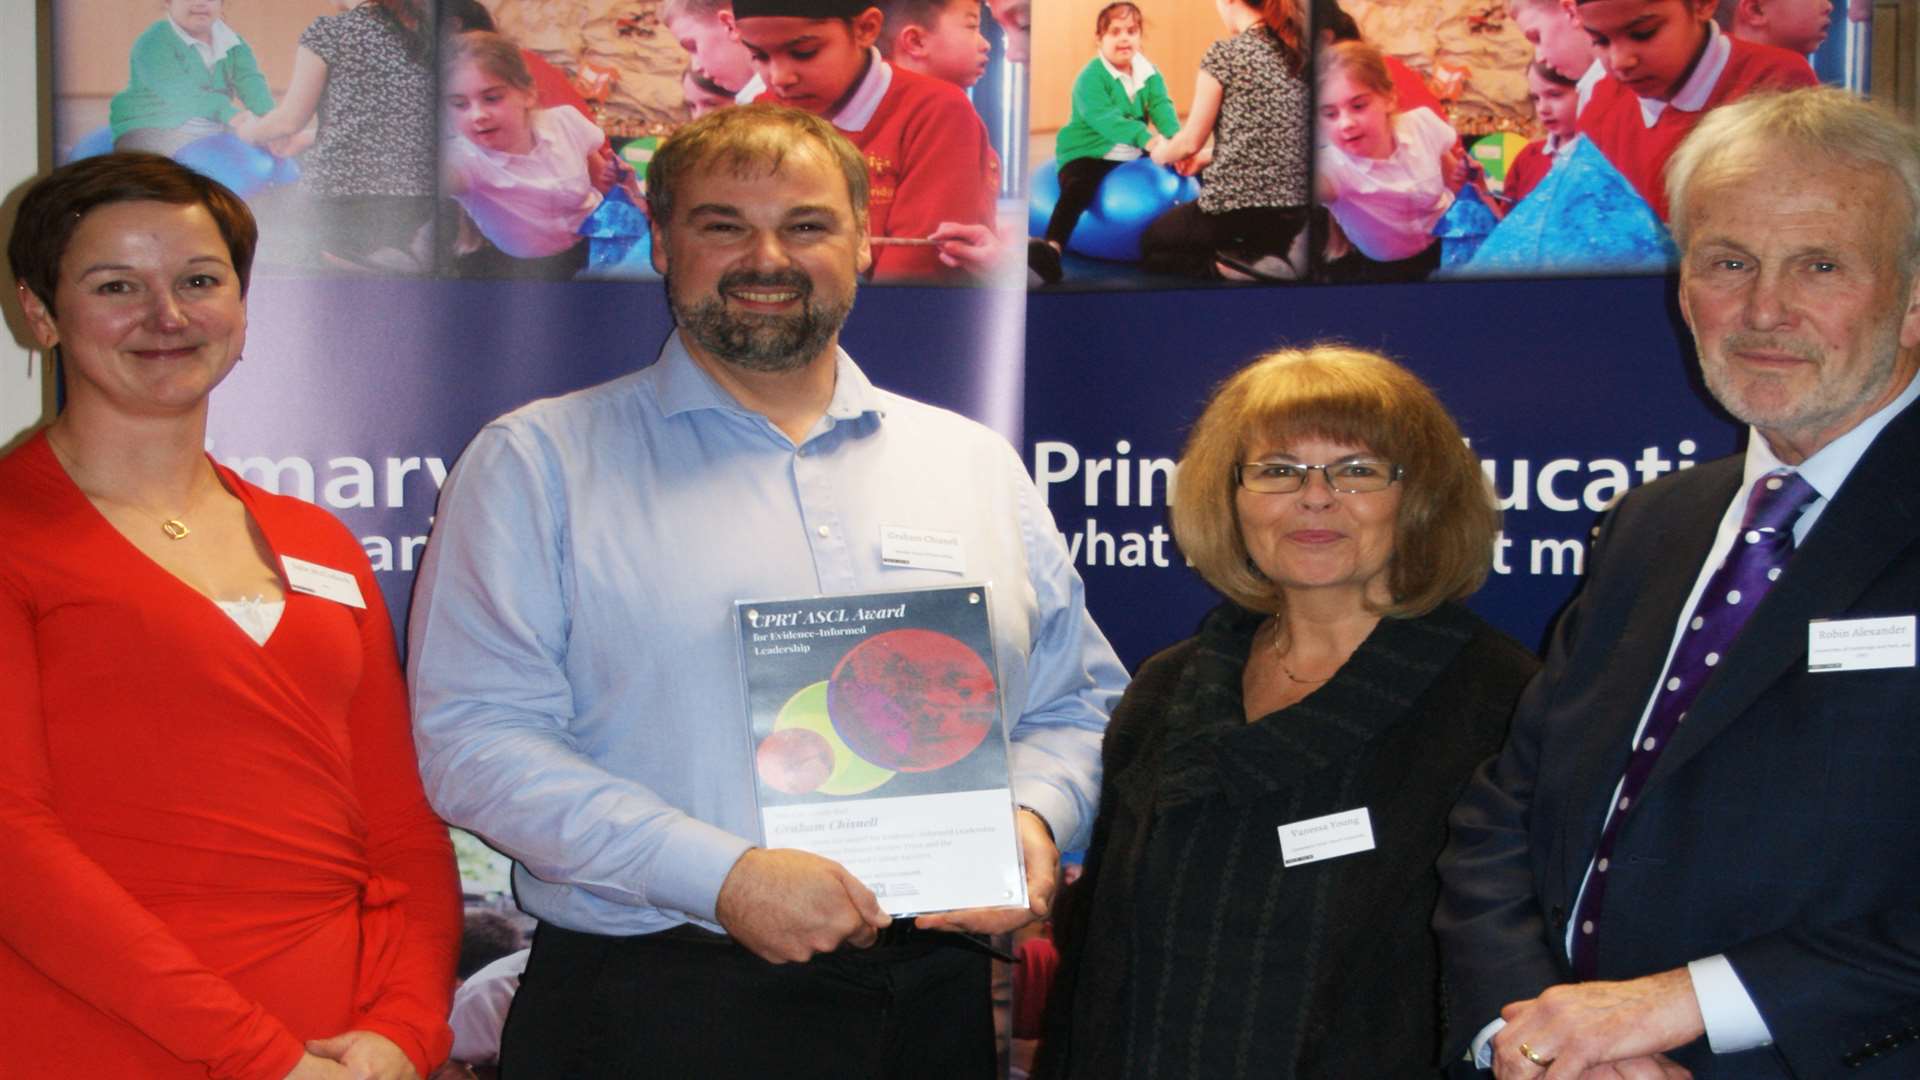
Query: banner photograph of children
x,y
510,138
1356,141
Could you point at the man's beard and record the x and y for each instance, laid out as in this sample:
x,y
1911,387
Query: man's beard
x,y
756,341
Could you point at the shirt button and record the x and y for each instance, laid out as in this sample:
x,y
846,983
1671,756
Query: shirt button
x,y
824,531
1587,927
1623,803
1602,866
1698,622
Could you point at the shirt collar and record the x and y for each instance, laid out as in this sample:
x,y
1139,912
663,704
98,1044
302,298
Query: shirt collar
x,y
1138,71
1583,87
1828,467
224,39
1699,85
682,385
865,100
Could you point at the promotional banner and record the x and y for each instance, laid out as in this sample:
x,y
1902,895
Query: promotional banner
x,y
1571,391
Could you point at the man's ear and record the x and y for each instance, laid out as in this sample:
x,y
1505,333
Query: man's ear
x,y
656,244
1910,319
1750,11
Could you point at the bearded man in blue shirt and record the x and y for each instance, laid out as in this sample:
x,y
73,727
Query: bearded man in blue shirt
x,y
576,680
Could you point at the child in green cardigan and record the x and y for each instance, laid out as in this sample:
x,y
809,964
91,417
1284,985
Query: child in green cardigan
x,y
1115,98
184,74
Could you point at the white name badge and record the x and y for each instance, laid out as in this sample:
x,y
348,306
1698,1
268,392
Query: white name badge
x,y
322,581
922,549
1327,837
1860,644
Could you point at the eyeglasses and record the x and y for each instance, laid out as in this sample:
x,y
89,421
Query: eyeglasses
x,y
1351,477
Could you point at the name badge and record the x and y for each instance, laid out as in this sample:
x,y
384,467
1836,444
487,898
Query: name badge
x,y
922,549
322,581
1860,644
1326,837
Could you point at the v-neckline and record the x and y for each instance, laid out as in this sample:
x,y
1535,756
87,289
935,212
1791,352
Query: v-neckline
x,y
237,488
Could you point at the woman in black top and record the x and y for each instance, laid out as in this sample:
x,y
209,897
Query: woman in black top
x,y
1258,890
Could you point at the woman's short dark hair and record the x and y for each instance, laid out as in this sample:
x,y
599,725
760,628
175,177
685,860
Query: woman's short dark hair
x,y
1443,540
52,208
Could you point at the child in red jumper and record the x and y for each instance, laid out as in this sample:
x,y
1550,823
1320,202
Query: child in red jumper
x,y
1555,100
1667,64
933,172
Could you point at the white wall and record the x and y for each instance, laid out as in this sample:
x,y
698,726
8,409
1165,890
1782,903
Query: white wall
x,y
23,108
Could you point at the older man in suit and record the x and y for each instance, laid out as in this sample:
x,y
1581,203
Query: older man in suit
x,y
1700,850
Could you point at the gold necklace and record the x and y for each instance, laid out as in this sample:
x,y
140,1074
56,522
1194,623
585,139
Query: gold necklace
x,y
171,525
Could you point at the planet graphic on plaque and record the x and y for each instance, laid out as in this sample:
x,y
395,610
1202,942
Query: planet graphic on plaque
x,y
912,700
796,761
852,774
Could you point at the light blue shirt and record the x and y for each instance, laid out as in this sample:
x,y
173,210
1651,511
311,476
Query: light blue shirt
x,y
575,673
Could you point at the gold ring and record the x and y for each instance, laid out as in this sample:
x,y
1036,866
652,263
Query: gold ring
x,y
1533,1055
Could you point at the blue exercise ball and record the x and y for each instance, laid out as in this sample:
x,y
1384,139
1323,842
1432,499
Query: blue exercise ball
x,y
1043,191
233,161
1130,198
92,144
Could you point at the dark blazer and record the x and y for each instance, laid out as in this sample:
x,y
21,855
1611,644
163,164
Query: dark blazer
x,y
1781,827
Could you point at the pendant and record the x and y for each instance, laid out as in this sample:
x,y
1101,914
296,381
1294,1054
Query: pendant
x,y
175,529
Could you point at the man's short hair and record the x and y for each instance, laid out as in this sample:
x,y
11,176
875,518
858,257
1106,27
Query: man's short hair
x,y
51,210
1819,123
1443,538
749,139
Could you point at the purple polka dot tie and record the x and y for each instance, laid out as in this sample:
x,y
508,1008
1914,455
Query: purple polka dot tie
x,y
1736,588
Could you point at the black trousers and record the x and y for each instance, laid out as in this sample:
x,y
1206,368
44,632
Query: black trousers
x,y
685,1003
1186,240
1079,184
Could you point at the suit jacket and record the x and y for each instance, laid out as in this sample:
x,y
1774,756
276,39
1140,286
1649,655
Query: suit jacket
x,y
1781,826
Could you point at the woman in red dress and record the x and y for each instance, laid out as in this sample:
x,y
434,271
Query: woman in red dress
x,y
217,859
